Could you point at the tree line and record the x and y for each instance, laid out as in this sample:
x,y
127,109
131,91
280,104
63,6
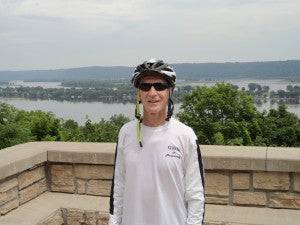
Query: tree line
x,y
122,91
19,126
222,115
289,69
219,115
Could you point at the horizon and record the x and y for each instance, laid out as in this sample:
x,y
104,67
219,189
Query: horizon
x,y
233,62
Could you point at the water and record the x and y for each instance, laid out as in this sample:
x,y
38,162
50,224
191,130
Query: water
x,y
80,111
18,83
274,84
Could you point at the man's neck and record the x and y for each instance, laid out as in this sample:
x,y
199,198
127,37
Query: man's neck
x,y
154,120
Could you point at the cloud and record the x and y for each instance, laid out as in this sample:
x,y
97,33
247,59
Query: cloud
x,y
119,32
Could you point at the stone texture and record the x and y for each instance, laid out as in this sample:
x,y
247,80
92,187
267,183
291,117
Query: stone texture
x,y
216,184
103,218
250,198
9,184
75,216
271,180
284,200
239,224
99,187
93,172
91,218
81,186
54,219
9,206
32,191
29,177
213,223
296,186
8,195
62,178
240,181
216,200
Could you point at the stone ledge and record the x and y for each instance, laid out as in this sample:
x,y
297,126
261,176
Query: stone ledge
x,y
21,157
234,157
283,159
49,202
82,152
24,156
251,215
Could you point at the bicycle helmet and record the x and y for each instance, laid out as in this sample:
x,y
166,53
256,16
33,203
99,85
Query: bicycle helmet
x,y
154,67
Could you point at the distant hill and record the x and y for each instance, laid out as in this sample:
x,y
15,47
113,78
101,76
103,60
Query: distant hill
x,y
189,71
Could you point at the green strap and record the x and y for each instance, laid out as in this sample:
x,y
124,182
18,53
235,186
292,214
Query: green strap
x,y
138,124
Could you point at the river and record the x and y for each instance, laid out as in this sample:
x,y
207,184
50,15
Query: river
x,y
80,111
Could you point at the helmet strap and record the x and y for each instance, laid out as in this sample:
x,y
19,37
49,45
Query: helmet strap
x,y
137,106
139,119
170,107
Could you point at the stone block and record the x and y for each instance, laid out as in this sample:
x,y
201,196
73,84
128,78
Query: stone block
x,y
8,184
29,177
91,217
81,186
250,198
239,224
283,159
103,219
284,200
93,172
216,200
213,223
271,181
9,206
234,157
62,178
99,187
54,219
75,216
32,191
296,186
240,181
8,195
216,184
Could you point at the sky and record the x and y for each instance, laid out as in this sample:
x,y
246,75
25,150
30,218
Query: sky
x,y
55,34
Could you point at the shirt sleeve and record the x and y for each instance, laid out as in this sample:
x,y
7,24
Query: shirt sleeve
x,y
194,184
117,189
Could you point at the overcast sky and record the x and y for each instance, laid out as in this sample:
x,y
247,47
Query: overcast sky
x,y
52,34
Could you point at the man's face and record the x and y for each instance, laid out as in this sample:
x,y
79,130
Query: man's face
x,y
154,101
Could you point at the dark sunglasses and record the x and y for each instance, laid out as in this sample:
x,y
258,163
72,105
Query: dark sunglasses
x,y
157,86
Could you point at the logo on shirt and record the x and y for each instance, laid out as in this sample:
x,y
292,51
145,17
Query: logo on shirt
x,y
174,152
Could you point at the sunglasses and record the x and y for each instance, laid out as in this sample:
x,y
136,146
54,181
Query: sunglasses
x,y
157,86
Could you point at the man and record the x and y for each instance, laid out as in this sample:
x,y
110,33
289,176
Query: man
x,y
158,177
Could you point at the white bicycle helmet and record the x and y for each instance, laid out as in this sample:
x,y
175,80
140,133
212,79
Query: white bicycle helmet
x,y
154,67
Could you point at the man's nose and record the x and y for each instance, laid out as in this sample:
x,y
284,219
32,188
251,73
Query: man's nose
x,y
152,91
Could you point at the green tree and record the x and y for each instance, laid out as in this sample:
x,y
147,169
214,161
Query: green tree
x,y
13,128
220,115
44,126
280,128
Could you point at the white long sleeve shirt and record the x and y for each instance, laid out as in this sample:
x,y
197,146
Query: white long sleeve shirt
x,y
161,183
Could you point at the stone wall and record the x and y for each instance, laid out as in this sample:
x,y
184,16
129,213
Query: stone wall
x,y
81,178
67,216
253,188
243,176
21,188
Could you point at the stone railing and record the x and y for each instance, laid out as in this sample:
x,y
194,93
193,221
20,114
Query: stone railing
x,y
235,176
